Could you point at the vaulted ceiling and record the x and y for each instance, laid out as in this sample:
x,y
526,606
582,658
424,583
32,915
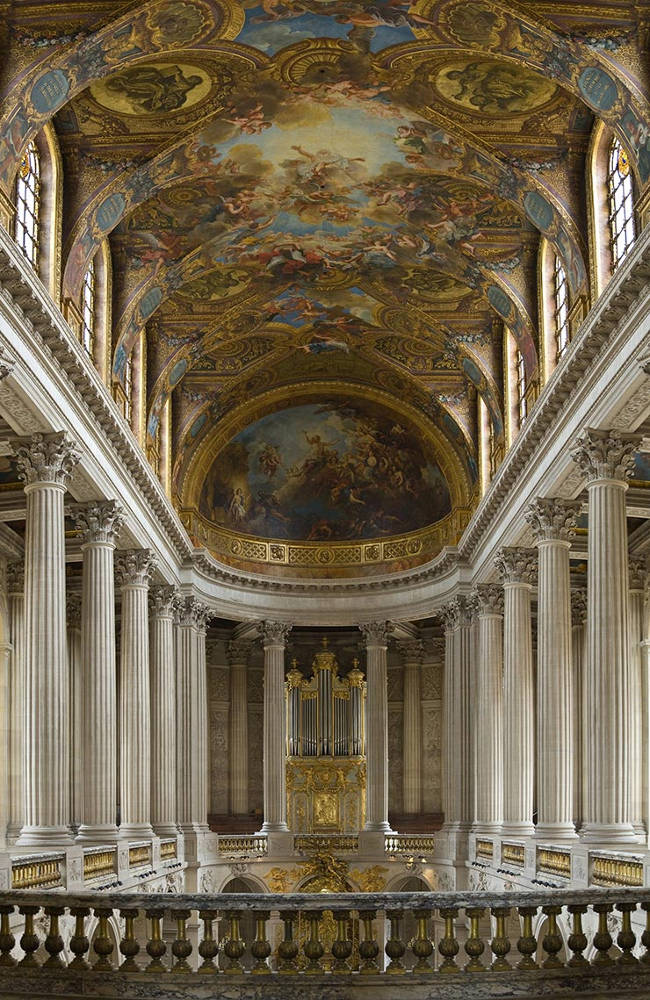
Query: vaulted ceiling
x,y
321,202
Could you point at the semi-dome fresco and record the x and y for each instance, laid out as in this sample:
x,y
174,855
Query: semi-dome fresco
x,y
325,472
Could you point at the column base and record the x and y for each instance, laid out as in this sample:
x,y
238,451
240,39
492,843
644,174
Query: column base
x,y
136,831
382,827
639,829
100,834
523,829
608,833
268,827
493,829
555,831
187,829
165,829
45,836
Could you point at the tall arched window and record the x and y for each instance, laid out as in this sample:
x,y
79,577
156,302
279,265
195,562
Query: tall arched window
x,y
561,310
128,388
88,310
621,203
28,184
522,386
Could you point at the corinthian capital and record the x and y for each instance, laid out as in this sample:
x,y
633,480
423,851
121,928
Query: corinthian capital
x,y
100,522
516,565
411,650
450,616
274,633
376,633
134,567
46,458
194,614
551,519
163,601
605,454
16,578
489,598
239,651
578,607
638,572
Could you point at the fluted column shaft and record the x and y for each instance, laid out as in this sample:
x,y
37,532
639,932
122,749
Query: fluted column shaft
x,y
636,636
192,719
99,524
162,601
489,777
275,737
449,803
134,569
376,640
517,567
75,687
238,654
412,654
46,462
456,714
607,460
578,658
17,731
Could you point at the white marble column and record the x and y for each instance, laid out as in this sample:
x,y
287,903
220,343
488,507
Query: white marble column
x,y
636,636
134,568
192,718
489,722
449,615
238,655
16,707
578,659
46,463
606,458
553,523
274,636
162,606
75,687
518,571
412,653
375,636
457,711
99,524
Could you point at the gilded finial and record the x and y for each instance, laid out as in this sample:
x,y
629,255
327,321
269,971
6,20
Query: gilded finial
x,y
355,664
294,664
325,642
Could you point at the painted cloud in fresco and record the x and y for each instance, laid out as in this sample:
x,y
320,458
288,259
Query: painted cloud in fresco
x,y
327,471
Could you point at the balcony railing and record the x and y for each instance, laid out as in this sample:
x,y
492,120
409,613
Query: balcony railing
x,y
341,933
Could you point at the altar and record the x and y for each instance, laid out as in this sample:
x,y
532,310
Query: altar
x,y
326,754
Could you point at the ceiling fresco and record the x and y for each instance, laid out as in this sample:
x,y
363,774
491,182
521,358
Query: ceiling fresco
x,y
343,193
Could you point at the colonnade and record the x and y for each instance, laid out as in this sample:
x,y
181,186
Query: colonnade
x,y
570,740
68,774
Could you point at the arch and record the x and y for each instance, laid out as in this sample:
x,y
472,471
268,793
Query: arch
x,y
150,29
601,258
47,210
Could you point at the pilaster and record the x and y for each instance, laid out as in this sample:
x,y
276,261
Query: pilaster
x,y
375,635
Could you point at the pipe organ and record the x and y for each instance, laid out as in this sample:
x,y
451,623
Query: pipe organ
x,y
326,763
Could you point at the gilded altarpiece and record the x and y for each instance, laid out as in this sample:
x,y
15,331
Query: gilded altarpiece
x,y
326,759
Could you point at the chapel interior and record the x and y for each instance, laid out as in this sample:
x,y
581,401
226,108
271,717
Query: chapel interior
x,y
324,499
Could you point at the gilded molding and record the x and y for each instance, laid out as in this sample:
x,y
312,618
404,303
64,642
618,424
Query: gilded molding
x,y
134,567
517,565
46,458
553,519
100,522
489,598
601,454
376,634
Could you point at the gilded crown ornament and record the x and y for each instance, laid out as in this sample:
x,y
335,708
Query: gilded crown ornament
x,y
516,565
553,519
46,458
134,567
100,522
605,454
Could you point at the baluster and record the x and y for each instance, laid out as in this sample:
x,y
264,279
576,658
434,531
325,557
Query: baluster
x,y
626,937
500,944
552,941
577,939
312,947
234,947
422,946
103,944
288,948
54,942
79,943
602,937
341,945
474,946
261,946
129,947
645,937
527,943
156,947
181,946
7,940
209,947
395,947
29,941
449,946
369,948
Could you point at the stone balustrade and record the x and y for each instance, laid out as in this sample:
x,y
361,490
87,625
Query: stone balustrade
x,y
409,843
243,845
